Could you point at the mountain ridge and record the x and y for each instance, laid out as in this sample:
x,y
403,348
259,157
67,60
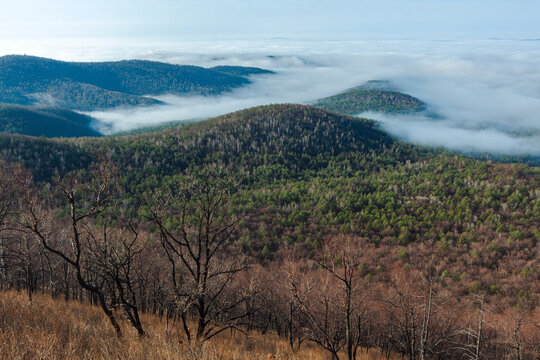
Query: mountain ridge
x,y
104,85
278,135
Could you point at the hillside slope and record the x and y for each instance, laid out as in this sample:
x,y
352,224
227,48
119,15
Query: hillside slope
x,y
284,141
49,328
307,173
89,86
288,140
49,122
303,181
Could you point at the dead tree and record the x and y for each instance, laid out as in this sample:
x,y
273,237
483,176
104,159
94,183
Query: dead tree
x,y
287,277
84,201
13,181
472,338
197,234
24,255
519,331
117,255
319,298
342,259
401,305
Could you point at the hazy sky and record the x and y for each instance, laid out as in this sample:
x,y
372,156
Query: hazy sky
x,y
215,19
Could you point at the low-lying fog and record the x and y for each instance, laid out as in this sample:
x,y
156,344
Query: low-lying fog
x,y
487,92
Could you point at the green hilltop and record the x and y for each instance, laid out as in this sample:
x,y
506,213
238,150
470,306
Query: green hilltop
x,y
375,95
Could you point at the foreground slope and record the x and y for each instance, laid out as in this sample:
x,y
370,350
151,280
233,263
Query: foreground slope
x,y
89,86
49,122
50,328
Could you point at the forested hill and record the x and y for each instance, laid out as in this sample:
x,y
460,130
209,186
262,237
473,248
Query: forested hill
x,y
281,141
240,70
100,85
307,174
49,122
378,96
303,195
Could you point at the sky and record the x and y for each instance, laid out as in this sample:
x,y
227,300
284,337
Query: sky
x,y
218,19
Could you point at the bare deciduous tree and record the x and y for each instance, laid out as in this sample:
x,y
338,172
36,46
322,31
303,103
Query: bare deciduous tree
x,y
117,256
472,338
287,278
342,259
197,230
331,299
84,201
13,181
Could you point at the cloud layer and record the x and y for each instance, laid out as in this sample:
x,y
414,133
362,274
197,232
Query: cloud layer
x,y
486,91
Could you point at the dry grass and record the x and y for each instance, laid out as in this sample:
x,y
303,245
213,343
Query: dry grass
x,y
53,329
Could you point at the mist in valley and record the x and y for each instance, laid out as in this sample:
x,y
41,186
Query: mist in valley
x,y
485,92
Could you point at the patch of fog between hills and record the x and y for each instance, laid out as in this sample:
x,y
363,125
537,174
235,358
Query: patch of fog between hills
x,y
446,133
487,92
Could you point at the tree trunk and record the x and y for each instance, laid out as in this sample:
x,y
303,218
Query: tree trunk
x,y
425,324
110,315
348,337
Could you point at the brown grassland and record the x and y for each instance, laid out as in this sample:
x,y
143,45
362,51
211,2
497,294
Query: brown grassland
x,y
48,328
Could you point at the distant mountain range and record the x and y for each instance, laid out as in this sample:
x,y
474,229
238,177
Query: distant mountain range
x,y
38,95
47,91
87,86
